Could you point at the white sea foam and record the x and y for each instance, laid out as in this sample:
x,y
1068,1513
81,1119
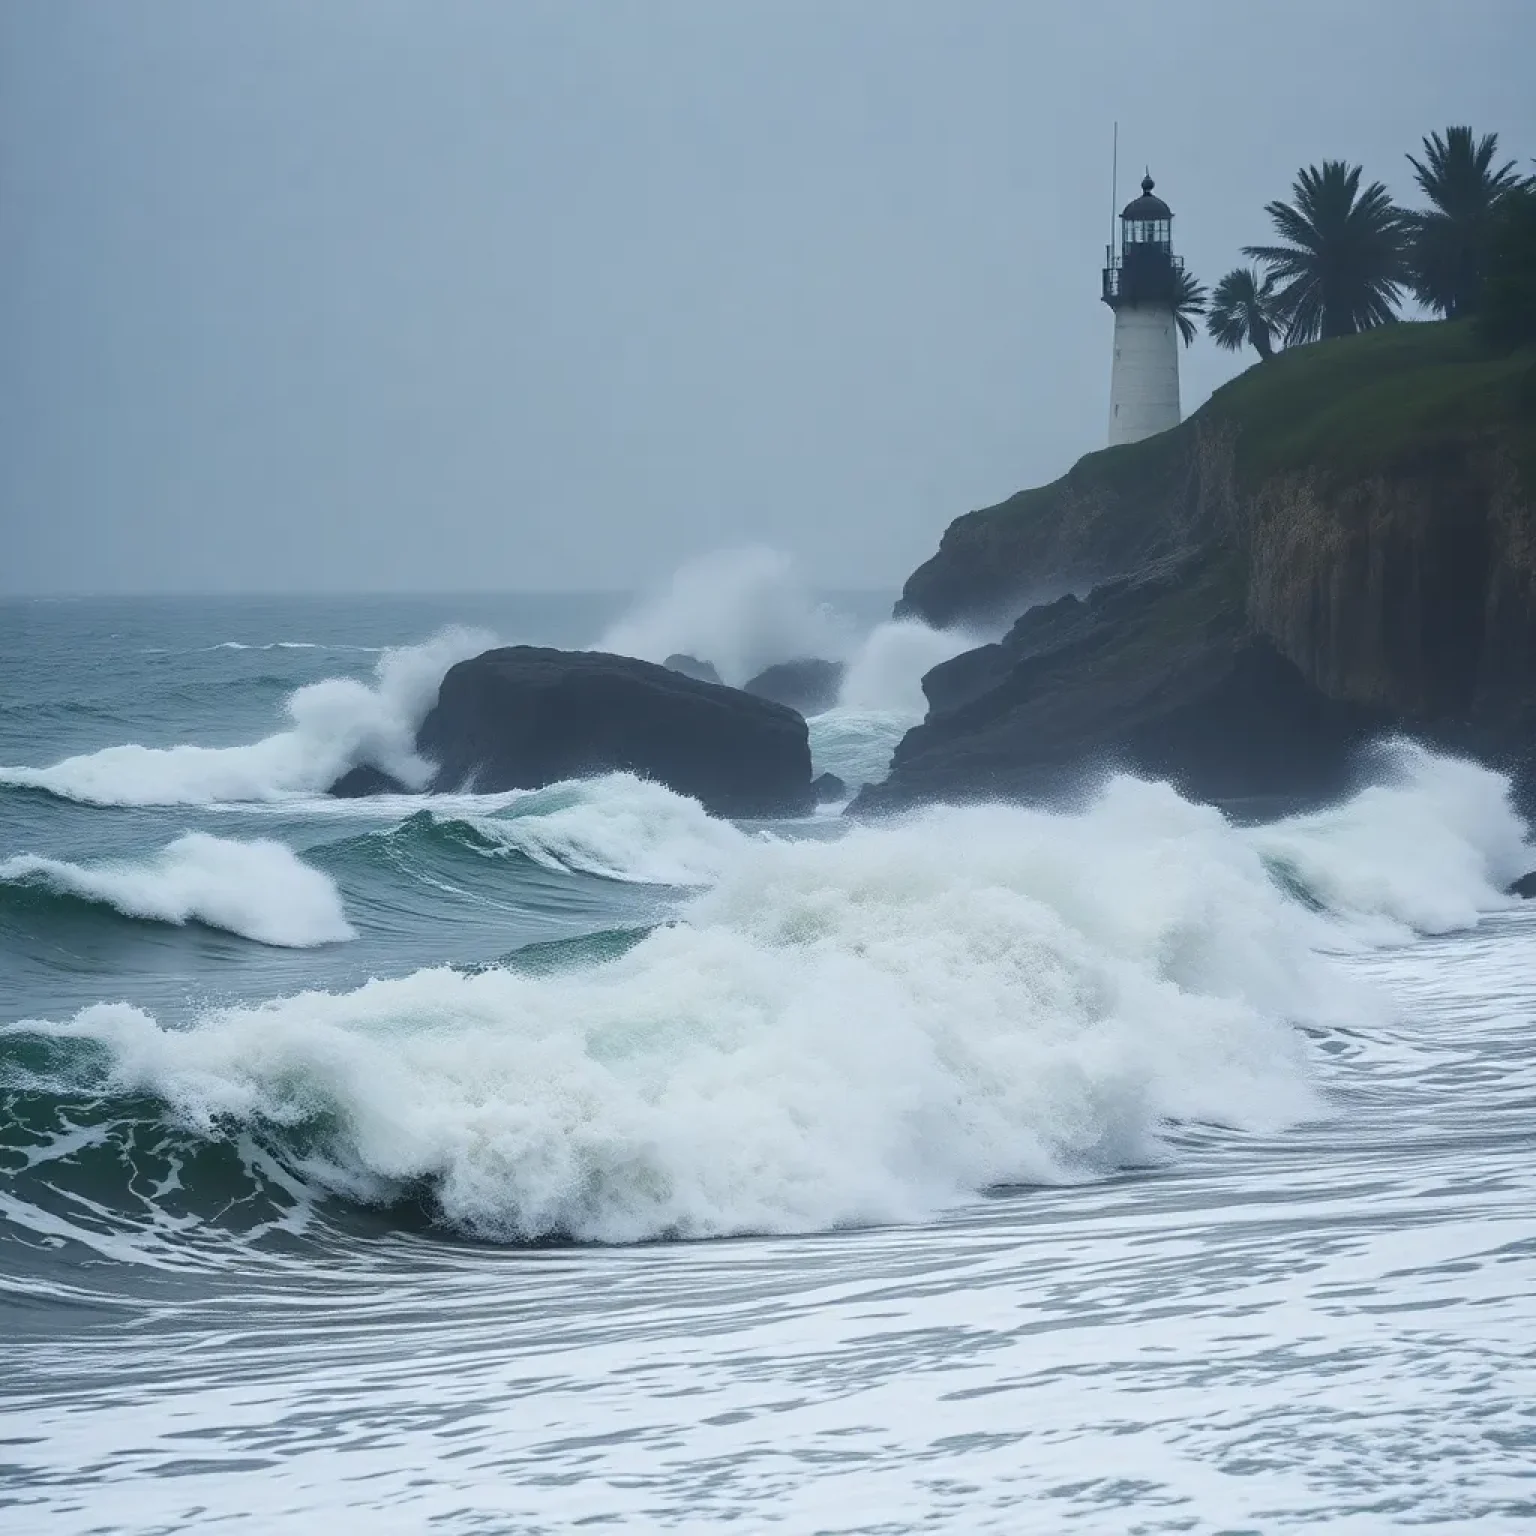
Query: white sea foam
x,y
619,827
846,1031
1430,846
259,889
335,724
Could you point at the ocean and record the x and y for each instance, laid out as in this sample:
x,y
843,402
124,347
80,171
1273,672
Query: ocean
x,y
543,1161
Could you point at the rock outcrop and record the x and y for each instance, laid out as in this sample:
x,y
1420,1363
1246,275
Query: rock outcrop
x,y
808,685
1341,542
1153,675
691,666
828,789
522,717
364,780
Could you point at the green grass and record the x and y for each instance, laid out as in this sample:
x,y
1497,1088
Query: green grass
x,y
1388,402
1378,399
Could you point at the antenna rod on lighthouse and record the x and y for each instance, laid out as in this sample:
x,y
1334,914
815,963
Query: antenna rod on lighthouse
x,y
1114,187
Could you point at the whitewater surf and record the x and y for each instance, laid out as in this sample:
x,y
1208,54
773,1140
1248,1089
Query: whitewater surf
x,y
659,1161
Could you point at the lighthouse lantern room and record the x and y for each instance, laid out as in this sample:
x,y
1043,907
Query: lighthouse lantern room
x,y
1141,285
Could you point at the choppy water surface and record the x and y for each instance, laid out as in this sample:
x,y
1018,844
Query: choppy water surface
x,y
1113,1170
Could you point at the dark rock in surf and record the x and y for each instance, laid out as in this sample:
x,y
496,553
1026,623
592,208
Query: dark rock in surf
x,y
523,716
828,789
364,780
691,666
1155,675
808,685
1525,887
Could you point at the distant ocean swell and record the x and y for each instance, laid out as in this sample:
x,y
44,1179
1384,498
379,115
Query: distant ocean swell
x,y
836,1032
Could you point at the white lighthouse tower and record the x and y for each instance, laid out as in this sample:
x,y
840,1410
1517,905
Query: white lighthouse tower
x,y
1141,284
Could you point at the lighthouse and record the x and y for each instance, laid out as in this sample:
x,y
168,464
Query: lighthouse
x,y
1141,285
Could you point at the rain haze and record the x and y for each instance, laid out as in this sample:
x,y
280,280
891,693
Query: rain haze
x,y
383,296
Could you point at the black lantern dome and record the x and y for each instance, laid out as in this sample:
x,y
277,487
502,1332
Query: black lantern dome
x,y
1146,207
1144,270
1148,220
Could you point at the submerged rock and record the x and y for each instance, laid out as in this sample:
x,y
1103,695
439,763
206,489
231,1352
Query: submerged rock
x,y
808,685
364,780
523,716
691,666
828,789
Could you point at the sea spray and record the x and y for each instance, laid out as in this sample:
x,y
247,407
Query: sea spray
x,y
335,724
881,698
739,609
1426,849
743,610
259,890
885,673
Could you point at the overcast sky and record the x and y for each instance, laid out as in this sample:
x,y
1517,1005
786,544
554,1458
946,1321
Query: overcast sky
x,y
435,294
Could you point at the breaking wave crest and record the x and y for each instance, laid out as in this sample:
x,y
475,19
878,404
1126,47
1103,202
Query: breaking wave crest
x,y
841,1031
617,827
1431,844
333,725
259,890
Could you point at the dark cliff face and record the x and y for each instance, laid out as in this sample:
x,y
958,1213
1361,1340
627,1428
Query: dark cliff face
x,y
1341,542
1111,514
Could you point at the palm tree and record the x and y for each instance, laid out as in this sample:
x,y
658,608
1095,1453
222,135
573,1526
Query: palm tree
x,y
1449,241
1188,300
1344,268
1508,313
1245,309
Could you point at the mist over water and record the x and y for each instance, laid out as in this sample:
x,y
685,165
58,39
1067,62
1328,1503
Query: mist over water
x,y
743,610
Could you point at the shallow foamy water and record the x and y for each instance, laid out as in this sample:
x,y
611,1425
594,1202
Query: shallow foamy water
x,y
1330,1328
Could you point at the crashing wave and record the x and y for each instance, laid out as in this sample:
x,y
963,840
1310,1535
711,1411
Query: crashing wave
x,y
334,725
259,890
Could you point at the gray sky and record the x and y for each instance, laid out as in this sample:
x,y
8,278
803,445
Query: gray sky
x,y
369,294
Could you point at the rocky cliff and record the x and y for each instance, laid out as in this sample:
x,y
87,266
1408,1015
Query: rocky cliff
x,y
1341,542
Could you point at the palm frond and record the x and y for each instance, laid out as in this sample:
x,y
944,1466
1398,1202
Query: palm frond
x,y
1449,241
1188,300
1342,266
1245,309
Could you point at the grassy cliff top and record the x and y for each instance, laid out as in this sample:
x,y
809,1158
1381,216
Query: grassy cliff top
x,y
1378,398
1385,402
